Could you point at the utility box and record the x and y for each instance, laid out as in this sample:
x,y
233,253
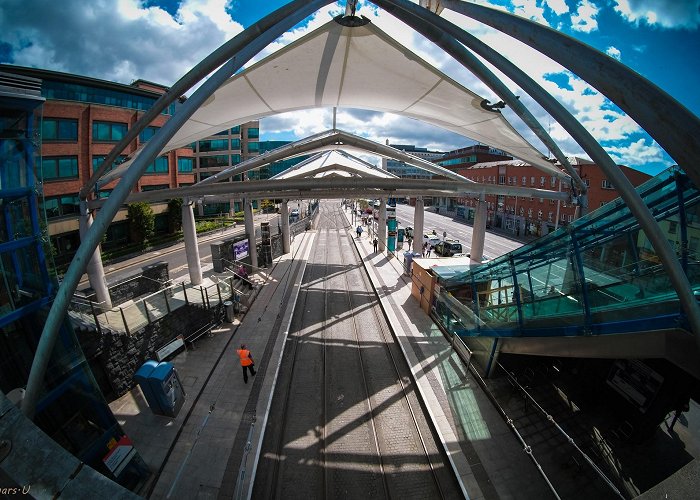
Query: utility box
x,y
162,387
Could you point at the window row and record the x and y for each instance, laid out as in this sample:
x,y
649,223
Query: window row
x,y
83,93
66,167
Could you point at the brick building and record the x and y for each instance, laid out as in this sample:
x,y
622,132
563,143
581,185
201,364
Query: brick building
x,y
538,215
83,118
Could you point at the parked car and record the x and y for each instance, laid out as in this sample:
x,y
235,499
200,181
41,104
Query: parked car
x,y
448,248
431,240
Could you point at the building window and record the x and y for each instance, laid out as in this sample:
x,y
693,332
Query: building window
x,y
160,166
253,133
607,184
522,211
214,145
502,179
103,193
587,182
235,144
154,187
59,129
97,159
542,181
147,133
60,206
569,218
524,180
253,147
529,212
185,165
235,159
215,161
539,215
108,131
554,181
236,129
532,180
59,167
550,216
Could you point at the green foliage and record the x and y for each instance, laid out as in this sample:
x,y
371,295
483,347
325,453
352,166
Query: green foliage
x,y
142,221
267,206
175,215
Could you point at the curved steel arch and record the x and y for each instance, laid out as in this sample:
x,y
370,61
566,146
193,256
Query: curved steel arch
x,y
280,21
627,192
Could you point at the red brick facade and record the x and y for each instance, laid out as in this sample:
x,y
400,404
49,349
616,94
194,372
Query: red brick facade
x,y
539,215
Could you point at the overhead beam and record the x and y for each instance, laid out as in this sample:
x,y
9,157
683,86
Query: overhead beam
x,y
278,189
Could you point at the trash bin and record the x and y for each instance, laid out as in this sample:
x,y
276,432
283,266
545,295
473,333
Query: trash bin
x,y
228,308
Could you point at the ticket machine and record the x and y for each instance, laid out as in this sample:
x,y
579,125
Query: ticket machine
x,y
162,387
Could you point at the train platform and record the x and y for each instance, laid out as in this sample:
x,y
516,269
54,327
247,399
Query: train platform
x,y
210,449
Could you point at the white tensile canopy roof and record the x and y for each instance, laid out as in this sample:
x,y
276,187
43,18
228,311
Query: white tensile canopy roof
x,y
353,67
333,163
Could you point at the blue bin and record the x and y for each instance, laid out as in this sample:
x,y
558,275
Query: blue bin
x,y
161,386
167,388
141,378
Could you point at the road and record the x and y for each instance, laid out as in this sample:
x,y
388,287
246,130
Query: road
x,y
175,255
495,245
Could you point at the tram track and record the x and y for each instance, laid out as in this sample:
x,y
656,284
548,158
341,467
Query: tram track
x,y
335,432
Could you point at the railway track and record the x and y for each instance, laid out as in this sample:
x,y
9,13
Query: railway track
x,y
345,420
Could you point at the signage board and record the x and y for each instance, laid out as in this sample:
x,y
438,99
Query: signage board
x,y
240,250
119,456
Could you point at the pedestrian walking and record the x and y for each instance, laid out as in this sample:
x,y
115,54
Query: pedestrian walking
x,y
359,231
425,247
427,252
375,242
247,362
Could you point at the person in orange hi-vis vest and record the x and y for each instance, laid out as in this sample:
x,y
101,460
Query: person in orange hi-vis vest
x,y
246,362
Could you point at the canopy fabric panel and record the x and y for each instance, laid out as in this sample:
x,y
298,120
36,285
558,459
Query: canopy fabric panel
x,y
333,163
353,67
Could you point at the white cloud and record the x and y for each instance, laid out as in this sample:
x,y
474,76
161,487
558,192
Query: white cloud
x,y
640,151
584,19
119,42
613,52
559,7
664,13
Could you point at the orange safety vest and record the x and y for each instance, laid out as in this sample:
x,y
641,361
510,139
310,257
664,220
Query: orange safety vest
x,y
244,354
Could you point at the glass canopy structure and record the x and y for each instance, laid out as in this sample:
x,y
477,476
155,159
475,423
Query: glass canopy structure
x,y
600,275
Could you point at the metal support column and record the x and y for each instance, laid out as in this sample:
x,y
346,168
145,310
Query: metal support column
x,y
189,231
478,231
95,270
250,230
418,220
284,215
381,225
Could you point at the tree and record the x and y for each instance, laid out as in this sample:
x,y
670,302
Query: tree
x,y
142,221
175,215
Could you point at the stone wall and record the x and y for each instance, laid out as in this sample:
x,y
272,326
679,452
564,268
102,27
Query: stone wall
x,y
120,355
152,278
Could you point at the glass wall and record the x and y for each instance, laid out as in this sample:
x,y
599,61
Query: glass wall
x,y
598,275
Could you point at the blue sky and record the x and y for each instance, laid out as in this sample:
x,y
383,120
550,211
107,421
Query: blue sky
x,y
159,40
